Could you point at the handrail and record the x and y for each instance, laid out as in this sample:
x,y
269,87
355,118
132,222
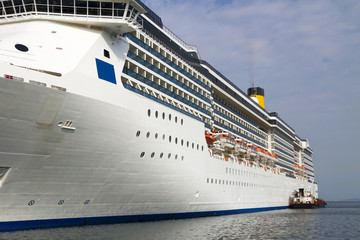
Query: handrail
x,y
179,41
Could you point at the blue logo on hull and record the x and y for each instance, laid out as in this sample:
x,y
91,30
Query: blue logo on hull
x,y
105,71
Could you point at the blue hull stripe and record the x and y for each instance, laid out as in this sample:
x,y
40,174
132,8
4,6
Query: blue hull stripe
x,y
63,222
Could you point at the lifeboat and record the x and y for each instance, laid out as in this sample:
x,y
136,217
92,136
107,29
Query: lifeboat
x,y
240,146
274,157
268,155
216,147
209,137
226,140
301,167
251,150
261,152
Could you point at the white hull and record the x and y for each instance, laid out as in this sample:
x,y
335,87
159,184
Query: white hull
x,y
96,169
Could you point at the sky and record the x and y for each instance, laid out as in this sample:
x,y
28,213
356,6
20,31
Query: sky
x,y
305,54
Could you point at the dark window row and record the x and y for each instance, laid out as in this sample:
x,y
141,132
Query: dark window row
x,y
232,183
163,116
162,155
175,140
244,173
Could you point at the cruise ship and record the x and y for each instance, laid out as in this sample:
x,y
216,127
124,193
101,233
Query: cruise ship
x,y
107,116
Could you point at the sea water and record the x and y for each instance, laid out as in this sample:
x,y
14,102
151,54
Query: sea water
x,y
339,220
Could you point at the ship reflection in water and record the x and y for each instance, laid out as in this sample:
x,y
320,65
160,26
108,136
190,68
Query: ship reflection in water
x,y
282,224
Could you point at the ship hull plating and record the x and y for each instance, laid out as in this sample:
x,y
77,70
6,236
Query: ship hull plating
x,y
94,173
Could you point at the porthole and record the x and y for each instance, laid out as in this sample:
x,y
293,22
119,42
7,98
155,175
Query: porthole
x,y
156,114
169,155
148,134
182,142
169,138
187,143
192,145
21,47
197,147
182,158
176,156
149,112
175,119
163,137
202,148
176,140
163,115
169,117
142,154
182,122
152,154
138,133
161,155
156,135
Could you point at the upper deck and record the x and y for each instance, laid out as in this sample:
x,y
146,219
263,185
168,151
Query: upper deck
x,y
118,16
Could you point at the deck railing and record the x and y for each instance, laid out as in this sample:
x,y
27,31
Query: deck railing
x,y
82,10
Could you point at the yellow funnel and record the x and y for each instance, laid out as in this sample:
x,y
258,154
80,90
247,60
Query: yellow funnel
x,y
257,94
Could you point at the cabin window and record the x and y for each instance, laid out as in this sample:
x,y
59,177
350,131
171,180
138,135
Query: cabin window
x,y
142,154
106,53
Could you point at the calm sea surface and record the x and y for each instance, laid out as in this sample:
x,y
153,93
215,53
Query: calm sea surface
x,y
340,220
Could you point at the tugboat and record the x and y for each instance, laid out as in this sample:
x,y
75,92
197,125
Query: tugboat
x,y
303,201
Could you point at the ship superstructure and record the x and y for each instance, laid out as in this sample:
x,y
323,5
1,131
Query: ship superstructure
x,y
107,116
164,68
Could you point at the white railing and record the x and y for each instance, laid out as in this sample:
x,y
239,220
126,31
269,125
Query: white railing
x,y
179,41
21,9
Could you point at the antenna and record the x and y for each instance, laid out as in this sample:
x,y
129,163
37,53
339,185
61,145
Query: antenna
x,y
162,9
251,77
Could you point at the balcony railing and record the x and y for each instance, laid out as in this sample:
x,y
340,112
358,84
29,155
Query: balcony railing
x,y
83,11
